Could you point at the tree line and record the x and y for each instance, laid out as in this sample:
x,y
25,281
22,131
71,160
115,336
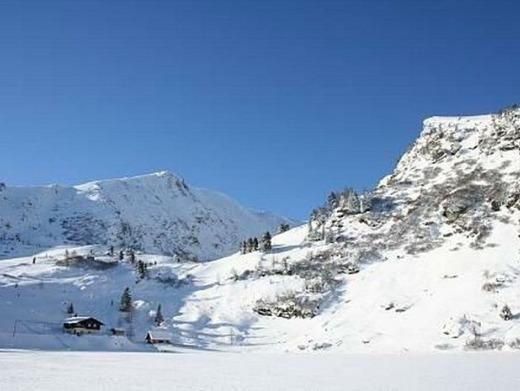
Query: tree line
x,y
253,244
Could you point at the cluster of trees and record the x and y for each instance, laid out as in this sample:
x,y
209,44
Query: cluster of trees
x,y
249,245
252,244
346,202
130,253
127,307
283,228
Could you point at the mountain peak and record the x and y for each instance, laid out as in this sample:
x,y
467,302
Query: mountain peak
x,y
144,178
156,212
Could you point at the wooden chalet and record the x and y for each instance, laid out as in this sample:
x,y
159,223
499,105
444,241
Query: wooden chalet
x,y
158,337
82,325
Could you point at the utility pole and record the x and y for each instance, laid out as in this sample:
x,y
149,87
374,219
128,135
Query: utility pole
x,y
14,327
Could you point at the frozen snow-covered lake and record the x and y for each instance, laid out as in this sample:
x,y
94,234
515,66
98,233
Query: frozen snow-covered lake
x,y
25,370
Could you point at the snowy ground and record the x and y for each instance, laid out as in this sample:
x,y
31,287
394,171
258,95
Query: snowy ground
x,y
419,305
20,371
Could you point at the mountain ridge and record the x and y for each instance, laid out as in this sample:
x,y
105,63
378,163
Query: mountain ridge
x,y
148,212
428,261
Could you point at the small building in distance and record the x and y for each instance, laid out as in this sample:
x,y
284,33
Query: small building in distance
x,y
116,331
79,325
158,337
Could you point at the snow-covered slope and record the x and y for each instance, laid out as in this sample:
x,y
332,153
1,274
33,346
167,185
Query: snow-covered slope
x,y
425,262
157,213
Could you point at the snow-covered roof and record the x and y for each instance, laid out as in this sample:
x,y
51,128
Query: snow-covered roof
x,y
159,334
78,319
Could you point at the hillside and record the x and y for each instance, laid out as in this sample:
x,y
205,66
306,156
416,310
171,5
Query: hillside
x,y
157,213
427,261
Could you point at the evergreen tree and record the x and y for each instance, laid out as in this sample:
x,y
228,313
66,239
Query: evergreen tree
x,y
250,245
142,269
132,256
126,301
255,244
70,308
111,252
266,242
284,227
159,319
332,201
349,202
121,255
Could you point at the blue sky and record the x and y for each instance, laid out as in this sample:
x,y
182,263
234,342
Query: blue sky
x,y
273,102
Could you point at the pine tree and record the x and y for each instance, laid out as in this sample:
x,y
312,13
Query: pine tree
x,y
309,228
121,255
70,308
332,201
132,256
126,301
250,245
283,228
266,242
506,313
159,319
142,269
255,244
352,204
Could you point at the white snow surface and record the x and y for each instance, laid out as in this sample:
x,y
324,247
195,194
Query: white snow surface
x,y
44,371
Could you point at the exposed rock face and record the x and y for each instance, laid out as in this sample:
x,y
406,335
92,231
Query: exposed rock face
x,y
459,173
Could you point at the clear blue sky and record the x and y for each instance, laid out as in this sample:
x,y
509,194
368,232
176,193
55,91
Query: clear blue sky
x,y
273,102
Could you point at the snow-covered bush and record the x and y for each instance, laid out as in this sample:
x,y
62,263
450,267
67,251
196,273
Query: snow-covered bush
x,y
234,275
484,344
287,306
492,286
515,344
456,327
167,276
348,267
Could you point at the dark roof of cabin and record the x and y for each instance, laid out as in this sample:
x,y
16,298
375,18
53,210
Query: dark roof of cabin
x,y
81,319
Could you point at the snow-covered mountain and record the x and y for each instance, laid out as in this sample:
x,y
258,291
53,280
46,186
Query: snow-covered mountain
x,y
427,261
157,213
